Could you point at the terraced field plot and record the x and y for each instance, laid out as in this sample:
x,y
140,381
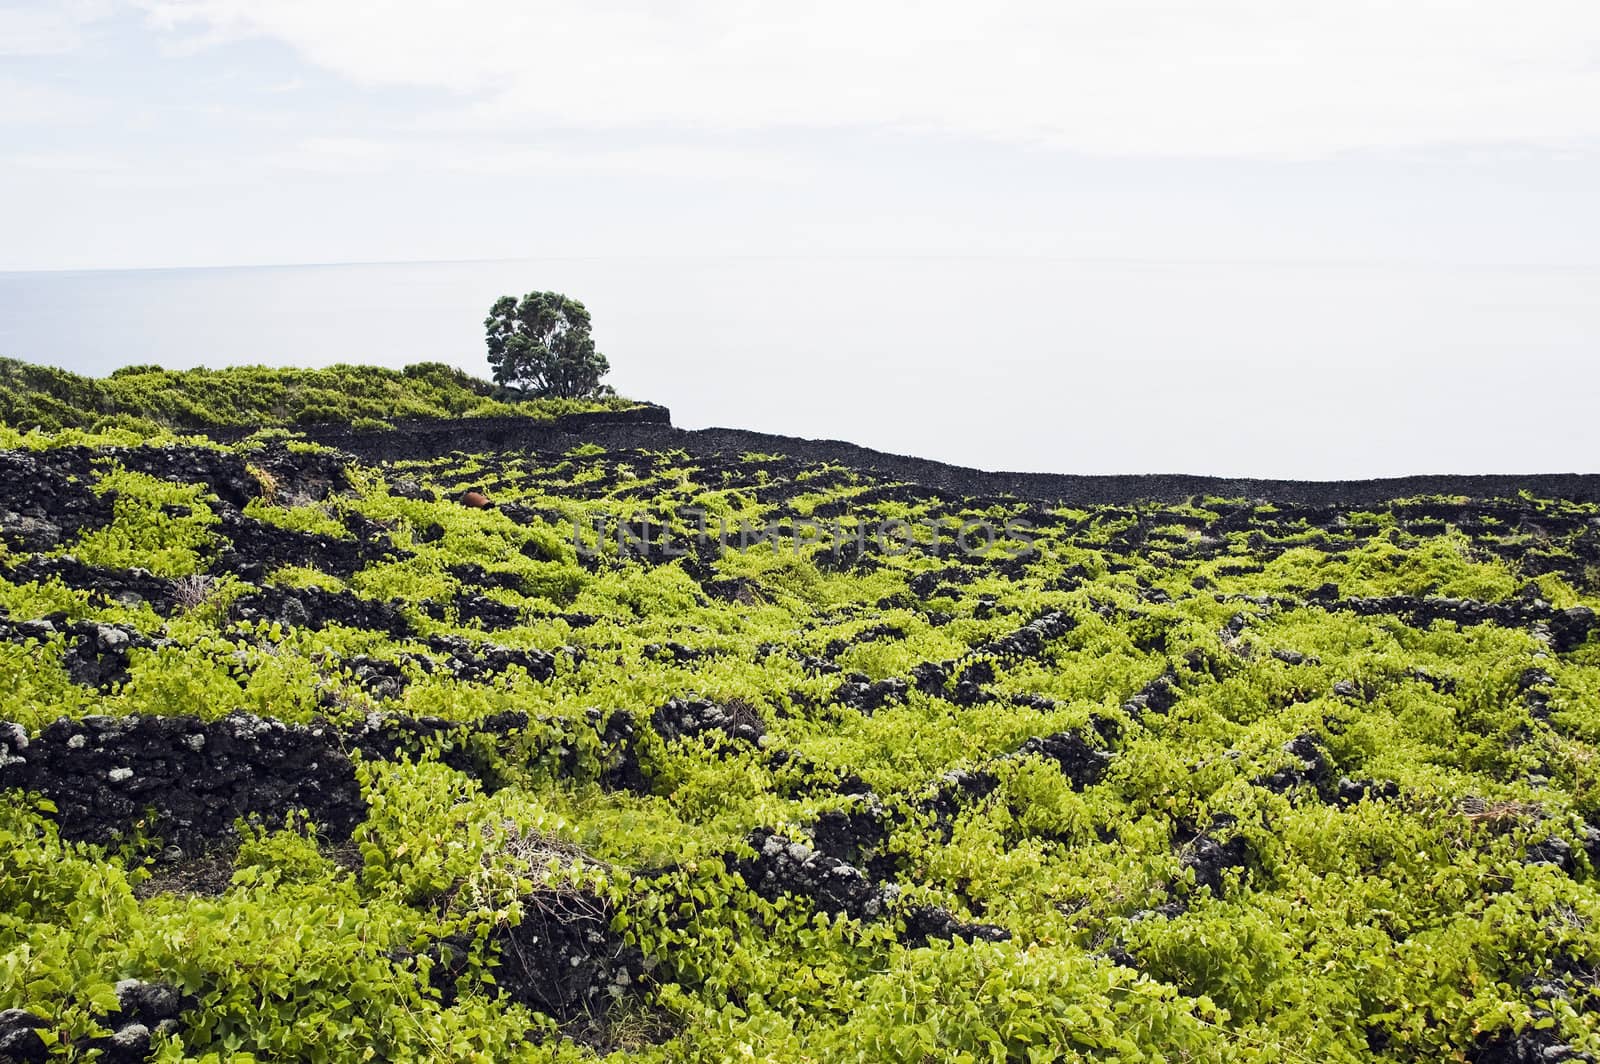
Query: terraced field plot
x,y
732,756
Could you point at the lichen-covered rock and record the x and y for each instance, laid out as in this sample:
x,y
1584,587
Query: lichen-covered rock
x,y
788,866
680,717
860,692
20,1042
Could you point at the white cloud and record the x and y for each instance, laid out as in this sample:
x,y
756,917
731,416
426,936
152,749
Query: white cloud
x,y
365,155
47,27
1273,78
32,31
65,163
29,103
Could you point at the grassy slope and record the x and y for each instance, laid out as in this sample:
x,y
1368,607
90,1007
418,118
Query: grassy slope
x,y
52,399
1405,924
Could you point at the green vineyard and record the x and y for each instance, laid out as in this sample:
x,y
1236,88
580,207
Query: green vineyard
x,y
667,753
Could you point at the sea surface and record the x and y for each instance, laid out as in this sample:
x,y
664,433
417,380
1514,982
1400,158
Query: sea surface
x,y
1240,369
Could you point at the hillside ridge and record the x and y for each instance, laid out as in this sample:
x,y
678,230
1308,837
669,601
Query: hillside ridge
x,y
649,427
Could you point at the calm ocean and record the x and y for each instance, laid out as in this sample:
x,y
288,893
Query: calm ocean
x,y
1038,365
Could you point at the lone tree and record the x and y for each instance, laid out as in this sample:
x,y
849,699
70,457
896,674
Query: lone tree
x,y
542,345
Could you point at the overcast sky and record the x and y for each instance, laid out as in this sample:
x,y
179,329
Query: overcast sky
x,y
188,132
1269,237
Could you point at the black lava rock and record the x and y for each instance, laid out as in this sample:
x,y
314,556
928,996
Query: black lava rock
x,y
786,866
1029,640
1082,763
1348,791
1529,1047
620,769
857,834
930,677
104,773
926,922
1209,858
955,791
47,499
474,662
859,692
315,607
1535,686
1553,850
1310,766
151,1004
97,654
680,717
1568,628
253,548
1157,696
103,584
19,1038
563,959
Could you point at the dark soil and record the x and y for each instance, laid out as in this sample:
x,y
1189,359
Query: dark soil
x,y
562,959
207,875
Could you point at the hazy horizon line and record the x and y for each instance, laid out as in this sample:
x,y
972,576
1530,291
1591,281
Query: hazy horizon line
x,y
930,256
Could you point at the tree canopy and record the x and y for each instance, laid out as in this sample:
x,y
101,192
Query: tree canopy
x,y
541,344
